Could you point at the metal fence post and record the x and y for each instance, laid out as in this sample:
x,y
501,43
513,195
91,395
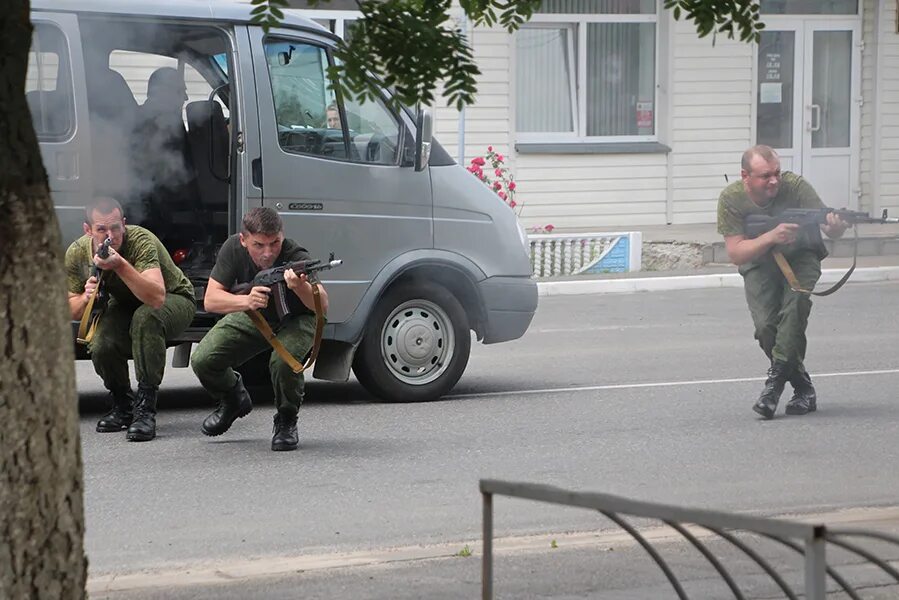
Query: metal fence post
x,y
816,565
487,563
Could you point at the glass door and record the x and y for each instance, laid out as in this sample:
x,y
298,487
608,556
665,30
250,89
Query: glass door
x,y
832,89
807,103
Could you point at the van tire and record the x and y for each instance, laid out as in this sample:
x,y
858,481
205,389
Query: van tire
x,y
416,344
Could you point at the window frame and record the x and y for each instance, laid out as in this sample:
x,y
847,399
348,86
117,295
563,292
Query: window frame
x,y
578,23
64,75
341,107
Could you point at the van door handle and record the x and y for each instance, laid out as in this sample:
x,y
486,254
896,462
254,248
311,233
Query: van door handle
x,y
256,166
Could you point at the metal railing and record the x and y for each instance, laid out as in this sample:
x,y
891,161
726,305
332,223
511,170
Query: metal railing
x,y
558,254
806,539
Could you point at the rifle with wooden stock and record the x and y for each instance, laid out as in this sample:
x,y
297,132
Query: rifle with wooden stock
x,y
273,279
98,301
756,225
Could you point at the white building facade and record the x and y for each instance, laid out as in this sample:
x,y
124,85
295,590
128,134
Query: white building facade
x,y
612,114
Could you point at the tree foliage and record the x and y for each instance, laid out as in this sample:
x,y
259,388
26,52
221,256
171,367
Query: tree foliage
x,y
727,17
411,46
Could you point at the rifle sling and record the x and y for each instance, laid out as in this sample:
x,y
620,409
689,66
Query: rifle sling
x,y
269,335
787,270
88,325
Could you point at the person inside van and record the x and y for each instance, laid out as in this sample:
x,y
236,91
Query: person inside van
x,y
162,170
150,301
235,339
333,117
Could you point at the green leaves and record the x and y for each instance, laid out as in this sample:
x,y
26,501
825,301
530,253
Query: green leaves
x,y
410,46
728,17
268,13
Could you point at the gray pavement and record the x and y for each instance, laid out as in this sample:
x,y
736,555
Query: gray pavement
x,y
643,395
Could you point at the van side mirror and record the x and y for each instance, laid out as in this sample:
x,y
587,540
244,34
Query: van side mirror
x,y
424,131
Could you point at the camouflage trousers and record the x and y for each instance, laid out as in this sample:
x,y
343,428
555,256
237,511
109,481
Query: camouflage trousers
x,y
781,315
124,332
234,340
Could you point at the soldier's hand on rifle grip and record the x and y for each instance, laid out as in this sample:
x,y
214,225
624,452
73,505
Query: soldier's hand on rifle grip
x,y
785,233
835,226
113,262
258,297
296,282
89,286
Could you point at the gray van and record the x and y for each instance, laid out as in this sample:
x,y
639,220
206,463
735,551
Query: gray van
x,y
429,253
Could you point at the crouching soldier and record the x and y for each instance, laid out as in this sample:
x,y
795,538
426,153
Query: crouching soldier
x,y
235,339
149,300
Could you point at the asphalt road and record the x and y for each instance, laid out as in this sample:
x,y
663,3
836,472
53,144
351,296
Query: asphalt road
x,y
644,395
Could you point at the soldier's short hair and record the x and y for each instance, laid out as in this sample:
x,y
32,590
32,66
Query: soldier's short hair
x,y
766,152
101,204
263,220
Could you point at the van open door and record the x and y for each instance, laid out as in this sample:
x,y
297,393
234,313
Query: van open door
x,y
56,96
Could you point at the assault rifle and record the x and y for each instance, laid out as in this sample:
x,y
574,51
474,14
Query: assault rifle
x,y
756,225
274,279
98,301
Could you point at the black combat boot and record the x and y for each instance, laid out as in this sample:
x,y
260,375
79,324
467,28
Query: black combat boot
x,y
234,405
778,375
804,399
286,436
143,429
119,416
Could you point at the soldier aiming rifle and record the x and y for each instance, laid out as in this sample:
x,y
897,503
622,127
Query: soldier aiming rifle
x,y
761,236
252,267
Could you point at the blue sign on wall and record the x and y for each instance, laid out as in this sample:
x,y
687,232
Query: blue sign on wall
x,y
615,260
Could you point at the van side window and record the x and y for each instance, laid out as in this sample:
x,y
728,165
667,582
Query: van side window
x,y
136,67
305,108
373,132
48,85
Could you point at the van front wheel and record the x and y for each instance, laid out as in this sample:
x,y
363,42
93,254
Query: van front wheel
x,y
416,344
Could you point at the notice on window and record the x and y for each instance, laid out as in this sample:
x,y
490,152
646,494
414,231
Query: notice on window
x,y
770,93
644,114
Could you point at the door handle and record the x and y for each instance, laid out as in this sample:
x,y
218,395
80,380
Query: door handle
x,y
256,167
815,123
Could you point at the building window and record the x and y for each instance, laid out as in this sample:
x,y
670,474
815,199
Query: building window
x,y
586,71
809,7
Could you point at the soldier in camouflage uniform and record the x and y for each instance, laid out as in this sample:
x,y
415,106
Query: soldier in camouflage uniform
x,y
151,300
235,339
780,315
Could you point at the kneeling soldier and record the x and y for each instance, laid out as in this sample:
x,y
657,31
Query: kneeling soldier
x,y
235,339
150,300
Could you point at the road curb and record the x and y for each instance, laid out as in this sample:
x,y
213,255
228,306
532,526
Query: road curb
x,y
693,282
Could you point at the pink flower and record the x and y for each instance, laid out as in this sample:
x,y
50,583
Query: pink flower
x,y
499,157
502,195
497,185
499,172
512,203
489,148
512,186
478,161
549,228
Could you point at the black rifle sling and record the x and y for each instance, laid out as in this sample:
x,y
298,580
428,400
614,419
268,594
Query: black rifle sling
x,y
787,270
88,325
269,335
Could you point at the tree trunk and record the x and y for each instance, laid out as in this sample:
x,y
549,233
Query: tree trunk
x,y
41,505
